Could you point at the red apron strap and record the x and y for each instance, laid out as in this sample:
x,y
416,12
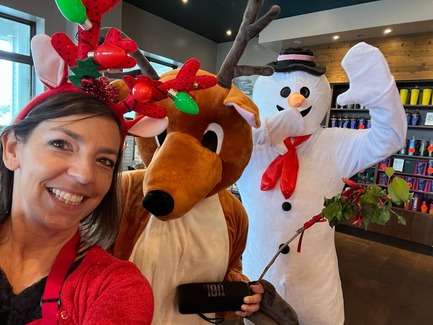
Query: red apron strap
x,y
51,297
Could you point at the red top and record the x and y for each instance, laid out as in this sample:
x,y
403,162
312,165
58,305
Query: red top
x,y
105,290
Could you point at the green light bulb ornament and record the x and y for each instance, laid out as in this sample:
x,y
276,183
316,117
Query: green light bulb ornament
x,y
74,11
183,101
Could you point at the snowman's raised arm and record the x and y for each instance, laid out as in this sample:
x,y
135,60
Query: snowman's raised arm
x,y
372,85
368,74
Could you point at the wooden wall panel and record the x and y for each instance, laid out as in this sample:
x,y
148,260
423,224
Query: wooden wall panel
x,y
410,57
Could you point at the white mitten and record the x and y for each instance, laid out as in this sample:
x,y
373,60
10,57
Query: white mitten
x,y
368,73
287,123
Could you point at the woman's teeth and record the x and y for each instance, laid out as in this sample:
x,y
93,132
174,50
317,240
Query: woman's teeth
x,y
66,197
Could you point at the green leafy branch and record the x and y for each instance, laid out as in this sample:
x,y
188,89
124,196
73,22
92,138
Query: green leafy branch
x,y
366,204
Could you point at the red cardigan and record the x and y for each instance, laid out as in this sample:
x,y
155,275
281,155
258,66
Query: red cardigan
x,y
105,290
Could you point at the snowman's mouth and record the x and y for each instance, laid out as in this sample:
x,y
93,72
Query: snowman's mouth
x,y
303,113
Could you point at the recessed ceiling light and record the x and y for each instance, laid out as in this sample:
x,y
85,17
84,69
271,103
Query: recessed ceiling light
x,y
229,32
335,37
387,31
185,1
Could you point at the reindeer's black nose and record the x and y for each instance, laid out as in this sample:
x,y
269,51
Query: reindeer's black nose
x,y
158,203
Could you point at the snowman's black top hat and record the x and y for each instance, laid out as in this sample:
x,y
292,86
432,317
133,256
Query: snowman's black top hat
x,y
295,59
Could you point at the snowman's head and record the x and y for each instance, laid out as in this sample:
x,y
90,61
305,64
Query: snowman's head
x,y
298,84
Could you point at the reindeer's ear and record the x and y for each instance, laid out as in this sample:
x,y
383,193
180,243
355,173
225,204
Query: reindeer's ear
x,y
144,126
50,67
244,105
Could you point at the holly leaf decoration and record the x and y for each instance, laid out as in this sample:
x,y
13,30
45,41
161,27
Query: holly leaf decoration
x,y
84,68
366,204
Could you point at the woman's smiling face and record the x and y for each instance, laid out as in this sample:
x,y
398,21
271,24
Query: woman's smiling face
x,y
64,169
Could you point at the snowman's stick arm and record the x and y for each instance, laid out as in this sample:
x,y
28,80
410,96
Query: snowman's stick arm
x,y
308,224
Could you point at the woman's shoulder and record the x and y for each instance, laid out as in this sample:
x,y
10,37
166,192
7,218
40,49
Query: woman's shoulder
x,y
99,268
109,288
99,260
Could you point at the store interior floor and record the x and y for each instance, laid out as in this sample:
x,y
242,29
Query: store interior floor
x,y
385,282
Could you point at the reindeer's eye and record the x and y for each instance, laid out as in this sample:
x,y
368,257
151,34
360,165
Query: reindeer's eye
x,y
160,138
213,137
285,92
305,92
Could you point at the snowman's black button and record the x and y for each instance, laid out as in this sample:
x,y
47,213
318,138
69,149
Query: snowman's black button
x,y
286,206
285,250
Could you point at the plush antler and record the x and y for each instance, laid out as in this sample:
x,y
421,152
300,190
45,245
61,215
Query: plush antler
x,y
250,27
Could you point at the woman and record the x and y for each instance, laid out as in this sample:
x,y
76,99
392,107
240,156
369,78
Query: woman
x,y
58,210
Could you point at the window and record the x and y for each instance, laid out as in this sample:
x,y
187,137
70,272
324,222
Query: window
x,y
161,67
16,66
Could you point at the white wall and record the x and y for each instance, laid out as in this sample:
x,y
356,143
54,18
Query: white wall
x,y
255,53
161,37
46,11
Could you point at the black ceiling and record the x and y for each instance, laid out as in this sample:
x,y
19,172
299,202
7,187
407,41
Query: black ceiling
x,y
211,18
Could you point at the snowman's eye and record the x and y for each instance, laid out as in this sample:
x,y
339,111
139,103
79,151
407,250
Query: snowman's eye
x,y
285,92
305,92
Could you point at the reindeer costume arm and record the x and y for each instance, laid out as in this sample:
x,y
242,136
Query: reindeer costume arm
x,y
237,225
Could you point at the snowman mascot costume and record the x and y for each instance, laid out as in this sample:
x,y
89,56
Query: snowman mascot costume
x,y
296,163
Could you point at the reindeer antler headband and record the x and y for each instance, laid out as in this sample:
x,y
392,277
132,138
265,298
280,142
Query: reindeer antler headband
x,y
87,59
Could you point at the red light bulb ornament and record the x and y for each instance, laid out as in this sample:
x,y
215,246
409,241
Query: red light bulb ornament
x,y
74,11
142,92
183,101
109,55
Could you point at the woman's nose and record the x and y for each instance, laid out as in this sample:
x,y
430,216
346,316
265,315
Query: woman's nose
x,y
82,170
295,100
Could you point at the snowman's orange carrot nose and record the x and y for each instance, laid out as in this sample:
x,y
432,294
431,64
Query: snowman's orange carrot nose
x,y
295,99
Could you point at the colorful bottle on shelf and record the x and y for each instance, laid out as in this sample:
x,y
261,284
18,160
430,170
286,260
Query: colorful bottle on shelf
x,y
415,118
411,149
416,202
424,207
408,117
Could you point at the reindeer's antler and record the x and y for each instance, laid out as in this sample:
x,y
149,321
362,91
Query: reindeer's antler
x,y
249,28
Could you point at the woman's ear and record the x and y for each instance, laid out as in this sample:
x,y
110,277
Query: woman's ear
x,y
10,146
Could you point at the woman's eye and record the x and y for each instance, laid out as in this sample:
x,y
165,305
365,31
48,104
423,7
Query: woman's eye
x,y
107,162
61,144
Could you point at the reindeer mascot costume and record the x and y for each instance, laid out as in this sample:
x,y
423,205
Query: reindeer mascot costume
x,y
296,163
180,224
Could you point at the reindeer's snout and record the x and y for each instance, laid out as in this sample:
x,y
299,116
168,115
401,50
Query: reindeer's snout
x,y
159,203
